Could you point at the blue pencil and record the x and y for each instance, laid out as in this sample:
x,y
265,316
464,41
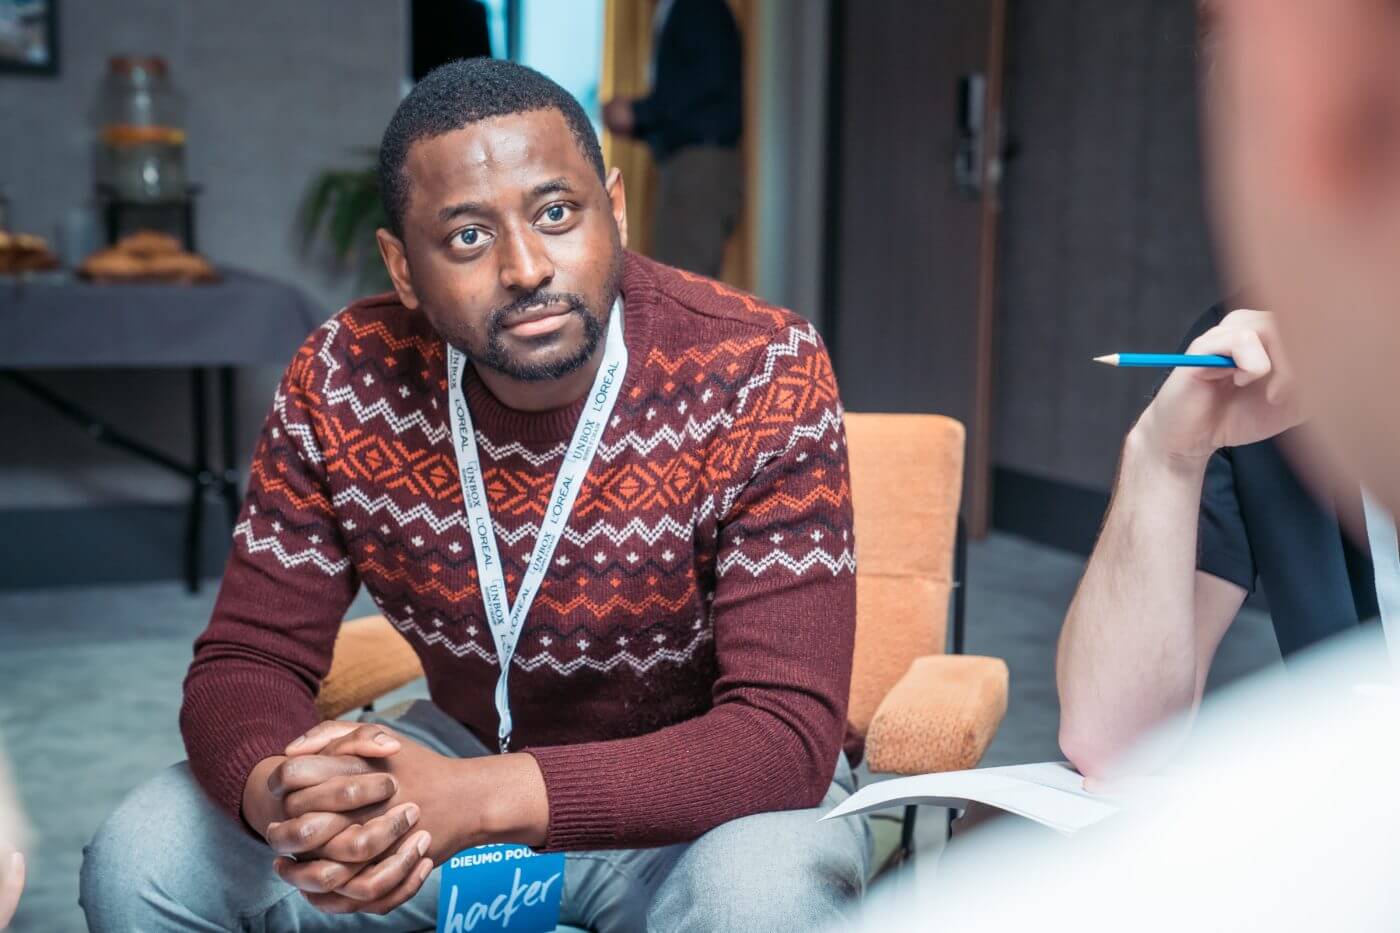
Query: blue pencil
x,y
1166,360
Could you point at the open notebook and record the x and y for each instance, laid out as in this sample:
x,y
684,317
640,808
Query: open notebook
x,y
1049,792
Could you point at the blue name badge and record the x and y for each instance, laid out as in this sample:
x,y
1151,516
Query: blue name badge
x,y
500,887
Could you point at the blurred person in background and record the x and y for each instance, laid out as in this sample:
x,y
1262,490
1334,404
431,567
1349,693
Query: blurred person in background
x,y
692,120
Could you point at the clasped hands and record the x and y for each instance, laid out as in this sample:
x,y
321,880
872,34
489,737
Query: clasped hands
x,y
359,815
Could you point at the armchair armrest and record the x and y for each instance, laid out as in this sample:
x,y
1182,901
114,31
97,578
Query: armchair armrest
x,y
371,659
941,716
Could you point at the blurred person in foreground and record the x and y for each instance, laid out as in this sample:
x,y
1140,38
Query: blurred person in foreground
x,y
1208,500
1283,812
13,834
676,708
692,120
1306,195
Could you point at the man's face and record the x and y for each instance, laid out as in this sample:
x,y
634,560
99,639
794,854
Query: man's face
x,y
511,244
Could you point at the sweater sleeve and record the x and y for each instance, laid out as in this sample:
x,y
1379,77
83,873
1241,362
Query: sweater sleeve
x,y
783,614
252,684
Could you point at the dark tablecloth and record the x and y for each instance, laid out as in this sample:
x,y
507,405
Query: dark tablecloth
x,y
56,321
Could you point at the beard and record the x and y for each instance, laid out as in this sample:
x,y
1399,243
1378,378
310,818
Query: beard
x,y
493,352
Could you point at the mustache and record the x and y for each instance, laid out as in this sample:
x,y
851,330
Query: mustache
x,y
501,316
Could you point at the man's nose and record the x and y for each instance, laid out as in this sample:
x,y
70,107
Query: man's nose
x,y
525,265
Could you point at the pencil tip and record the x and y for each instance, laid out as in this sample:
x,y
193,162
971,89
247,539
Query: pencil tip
x,y
1109,360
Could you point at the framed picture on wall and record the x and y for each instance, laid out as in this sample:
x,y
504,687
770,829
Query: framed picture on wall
x,y
29,36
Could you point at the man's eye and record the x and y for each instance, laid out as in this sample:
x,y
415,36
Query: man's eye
x,y
470,237
555,213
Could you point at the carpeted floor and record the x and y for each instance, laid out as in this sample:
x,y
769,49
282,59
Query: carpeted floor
x,y
92,689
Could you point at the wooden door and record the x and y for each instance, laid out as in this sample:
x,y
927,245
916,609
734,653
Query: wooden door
x,y
910,250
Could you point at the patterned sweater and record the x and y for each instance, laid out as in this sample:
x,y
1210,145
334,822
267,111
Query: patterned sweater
x,y
687,659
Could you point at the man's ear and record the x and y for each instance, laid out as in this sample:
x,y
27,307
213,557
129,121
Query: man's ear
x,y
617,196
396,261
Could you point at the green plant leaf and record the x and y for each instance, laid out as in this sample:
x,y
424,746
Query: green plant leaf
x,y
342,208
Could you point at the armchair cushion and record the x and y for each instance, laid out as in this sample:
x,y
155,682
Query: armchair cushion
x,y
941,716
371,659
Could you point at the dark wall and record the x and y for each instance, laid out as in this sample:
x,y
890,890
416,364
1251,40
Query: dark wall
x,y
1103,237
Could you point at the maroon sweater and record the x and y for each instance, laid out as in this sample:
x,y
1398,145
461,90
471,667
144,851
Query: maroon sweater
x,y
687,660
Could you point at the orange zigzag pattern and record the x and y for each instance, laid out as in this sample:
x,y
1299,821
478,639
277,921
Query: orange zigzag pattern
x,y
600,610
702,357
429,349
781,500
312,502
428,585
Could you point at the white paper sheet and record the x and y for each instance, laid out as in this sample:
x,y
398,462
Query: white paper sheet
x,y
1049,792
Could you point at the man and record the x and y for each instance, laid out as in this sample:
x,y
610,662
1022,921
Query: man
x,y
652,465
692,120
1204,505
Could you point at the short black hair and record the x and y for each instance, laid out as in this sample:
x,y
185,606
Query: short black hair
x,y
459,93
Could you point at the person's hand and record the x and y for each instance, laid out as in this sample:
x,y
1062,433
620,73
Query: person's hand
x,y
351,785
507,798
619,117
1199,410
333,825
11,886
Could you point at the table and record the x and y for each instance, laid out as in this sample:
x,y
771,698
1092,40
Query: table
x,y
55,321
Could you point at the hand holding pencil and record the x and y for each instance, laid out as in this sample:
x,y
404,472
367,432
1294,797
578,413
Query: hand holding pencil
x,y
1208,404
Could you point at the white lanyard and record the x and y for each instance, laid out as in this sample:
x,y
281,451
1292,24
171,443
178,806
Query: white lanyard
x,y
506,621
1385,560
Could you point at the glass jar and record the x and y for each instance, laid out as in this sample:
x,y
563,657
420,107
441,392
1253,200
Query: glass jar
x,y
140,131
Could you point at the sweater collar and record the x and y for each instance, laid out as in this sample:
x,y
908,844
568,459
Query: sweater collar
x,y
503,424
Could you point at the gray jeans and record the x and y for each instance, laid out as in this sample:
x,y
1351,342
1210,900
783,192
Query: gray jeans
x,y
166,859
699,196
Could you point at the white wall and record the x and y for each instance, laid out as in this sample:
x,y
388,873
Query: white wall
x,y
277,90
790,205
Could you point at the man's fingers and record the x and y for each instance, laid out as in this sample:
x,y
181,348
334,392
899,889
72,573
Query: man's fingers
x,y
367,741
319,736
297,773
340,904
341,794
380,879
317,876
11,885
363,843
306,833
1252,361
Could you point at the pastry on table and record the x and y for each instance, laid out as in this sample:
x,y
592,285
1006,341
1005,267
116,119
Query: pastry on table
x,y
180,267
148,243
115,265
147,256
23,252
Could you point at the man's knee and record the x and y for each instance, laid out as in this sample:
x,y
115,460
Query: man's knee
x,y
157,857
772,871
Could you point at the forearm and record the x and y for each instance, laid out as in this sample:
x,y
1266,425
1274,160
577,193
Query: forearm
x,y
1127,656
235,715
677,783
519,803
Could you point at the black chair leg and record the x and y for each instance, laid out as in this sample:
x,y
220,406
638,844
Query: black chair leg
x,y
199,480
229,428
906,833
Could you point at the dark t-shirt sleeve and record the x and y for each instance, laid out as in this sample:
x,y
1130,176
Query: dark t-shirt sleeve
x,y
1222,545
